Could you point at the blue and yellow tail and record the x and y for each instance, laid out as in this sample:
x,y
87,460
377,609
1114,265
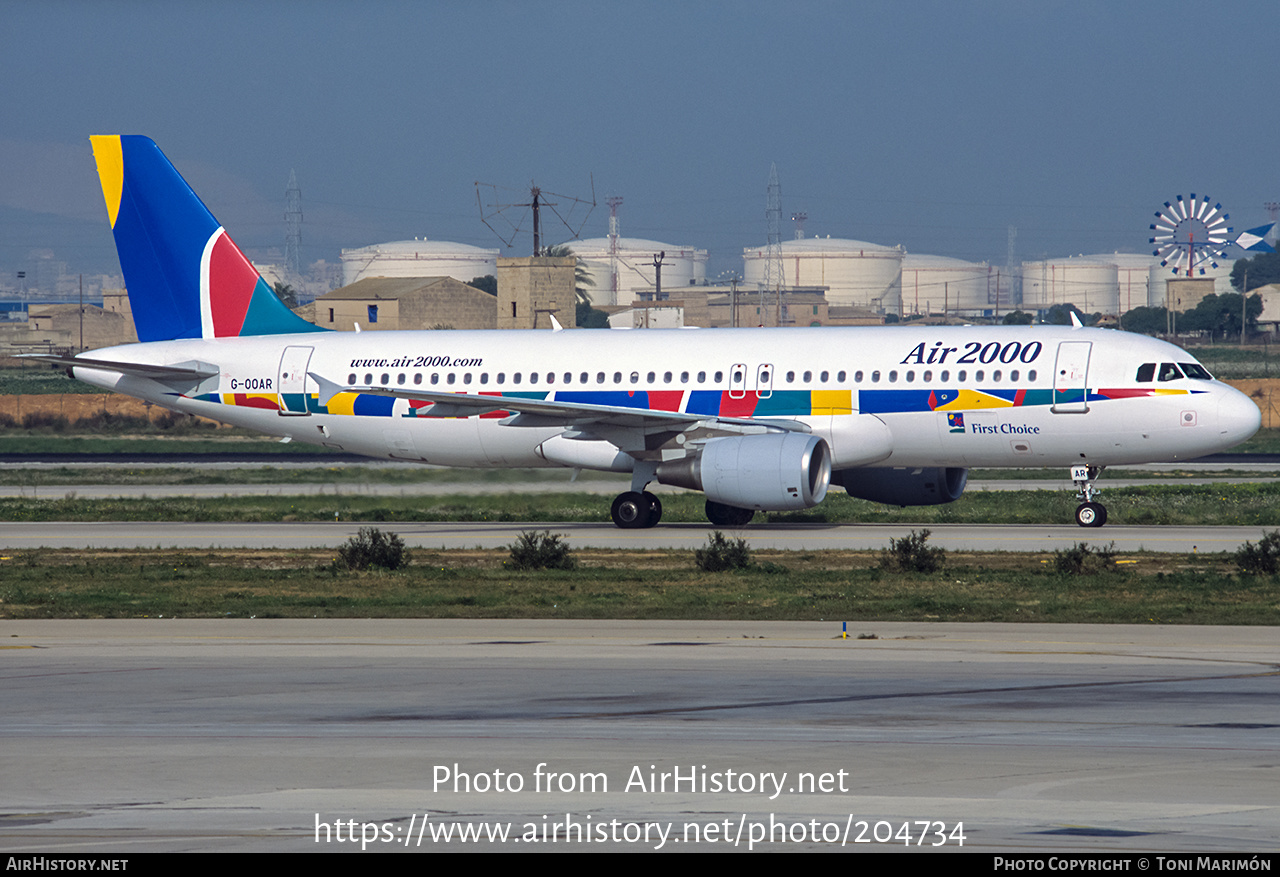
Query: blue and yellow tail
x,y
185,276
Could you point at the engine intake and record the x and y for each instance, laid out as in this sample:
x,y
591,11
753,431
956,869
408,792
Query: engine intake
x,y
775,472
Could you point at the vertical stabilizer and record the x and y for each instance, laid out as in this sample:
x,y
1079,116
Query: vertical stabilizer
x,y
185,276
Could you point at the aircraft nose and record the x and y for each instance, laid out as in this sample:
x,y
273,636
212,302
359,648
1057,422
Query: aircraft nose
x,y
1238,416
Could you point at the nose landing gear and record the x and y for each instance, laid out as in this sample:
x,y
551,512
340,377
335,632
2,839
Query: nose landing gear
x,y
1088,513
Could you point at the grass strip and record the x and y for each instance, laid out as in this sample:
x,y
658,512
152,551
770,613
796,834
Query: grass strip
x,y
832,586
1203,505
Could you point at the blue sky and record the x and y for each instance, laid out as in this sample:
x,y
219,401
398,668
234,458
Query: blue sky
x,y
935,125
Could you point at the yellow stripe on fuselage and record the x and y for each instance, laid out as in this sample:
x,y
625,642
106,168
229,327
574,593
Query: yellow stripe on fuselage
x,y
830,402
110,158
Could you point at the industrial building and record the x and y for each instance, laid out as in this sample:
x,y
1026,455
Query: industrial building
x,y
388,303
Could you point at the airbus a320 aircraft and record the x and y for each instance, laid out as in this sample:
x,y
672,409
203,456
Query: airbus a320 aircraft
x,y
756,419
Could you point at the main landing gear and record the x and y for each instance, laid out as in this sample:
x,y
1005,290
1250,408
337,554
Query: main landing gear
x,y
636,509
1088,513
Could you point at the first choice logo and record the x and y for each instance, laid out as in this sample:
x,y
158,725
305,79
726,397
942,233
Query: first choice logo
x,y
975,352
1003,429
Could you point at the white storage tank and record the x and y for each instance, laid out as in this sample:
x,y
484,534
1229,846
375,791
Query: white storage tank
x,y
681,266
1086,282
856,273
937,284
418,258
1133,278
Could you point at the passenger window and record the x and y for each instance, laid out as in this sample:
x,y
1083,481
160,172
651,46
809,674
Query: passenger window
x,y
928,376
451,378
368,379
649,378
684,377
995,376
515,378
911,376
466,379
791,377
875,377
1146,372
666,377
1031,375
977,376
823,377
1013,375
960,377
435,379
893,376
400,378
635,377
533,377
808,377
582,378
719,377
599,377
417,379
857,376
617,377
351,379
945,376
551,377
702,377
840,376
386,379
502,378
484,377
1168,372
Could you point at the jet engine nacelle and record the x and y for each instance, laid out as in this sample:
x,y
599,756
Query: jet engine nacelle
x,y
904,487
774,472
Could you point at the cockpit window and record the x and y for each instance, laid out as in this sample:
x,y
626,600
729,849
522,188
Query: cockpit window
x,y
1195,371
1146,372
1169,372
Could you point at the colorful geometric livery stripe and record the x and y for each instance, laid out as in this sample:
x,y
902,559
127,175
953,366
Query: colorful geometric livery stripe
x,y
185,277
714,403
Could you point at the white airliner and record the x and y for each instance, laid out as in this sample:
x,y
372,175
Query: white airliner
x,y
756,419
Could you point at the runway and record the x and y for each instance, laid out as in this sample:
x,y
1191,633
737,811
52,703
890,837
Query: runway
x,y
238,735
795,537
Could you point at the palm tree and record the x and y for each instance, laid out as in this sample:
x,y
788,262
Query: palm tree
x,y
581,279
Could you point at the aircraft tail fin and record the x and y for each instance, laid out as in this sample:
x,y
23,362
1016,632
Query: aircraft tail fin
x,y
185,276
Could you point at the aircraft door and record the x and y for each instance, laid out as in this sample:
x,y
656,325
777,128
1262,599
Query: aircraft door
x,y
1070,378
738,381
292,381
764,381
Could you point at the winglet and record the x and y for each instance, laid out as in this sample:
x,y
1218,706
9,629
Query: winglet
x,y
328,389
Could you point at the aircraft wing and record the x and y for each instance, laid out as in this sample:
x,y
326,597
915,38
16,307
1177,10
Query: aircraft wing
x,y
183,371
543,412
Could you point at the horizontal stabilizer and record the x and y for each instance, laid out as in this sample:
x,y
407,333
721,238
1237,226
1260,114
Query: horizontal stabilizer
x,y
191,370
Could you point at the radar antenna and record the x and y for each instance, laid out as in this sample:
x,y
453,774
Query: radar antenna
x,y
498,214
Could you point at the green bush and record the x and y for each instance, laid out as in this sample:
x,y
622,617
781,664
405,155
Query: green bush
x,y
544,550
372,547
720,554
1085,560
914,554
1262,559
